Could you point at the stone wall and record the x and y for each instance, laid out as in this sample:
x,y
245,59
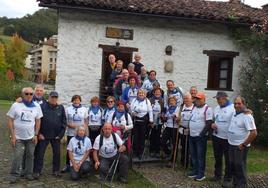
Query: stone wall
x,y
80,60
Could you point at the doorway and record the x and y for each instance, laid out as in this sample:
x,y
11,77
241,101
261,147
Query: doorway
x,y
121,53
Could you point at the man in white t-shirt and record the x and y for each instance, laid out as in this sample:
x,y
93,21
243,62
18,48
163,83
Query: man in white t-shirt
x,y
78,150
24,124
200,123
106,148
223,114
242,131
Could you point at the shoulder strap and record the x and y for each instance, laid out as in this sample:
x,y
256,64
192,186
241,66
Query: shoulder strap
x,y
101,141
126,117
205,112
114,138
114,114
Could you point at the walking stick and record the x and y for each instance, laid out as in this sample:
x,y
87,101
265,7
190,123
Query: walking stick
x,y
186,151
115,168
176,147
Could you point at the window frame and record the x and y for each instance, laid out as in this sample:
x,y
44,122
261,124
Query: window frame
x,y
216,57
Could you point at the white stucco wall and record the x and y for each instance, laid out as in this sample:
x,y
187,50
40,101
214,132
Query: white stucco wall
x,y
80,60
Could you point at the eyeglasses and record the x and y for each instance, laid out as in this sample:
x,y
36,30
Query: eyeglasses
x,y
54,97
237,103
28,94
110,101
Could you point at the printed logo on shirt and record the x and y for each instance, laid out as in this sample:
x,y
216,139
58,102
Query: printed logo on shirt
x,y
26,115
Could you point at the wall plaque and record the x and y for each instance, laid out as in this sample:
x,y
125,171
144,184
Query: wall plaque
x,y
118,33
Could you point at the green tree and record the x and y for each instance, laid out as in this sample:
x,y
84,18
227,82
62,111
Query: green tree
x,y
15,56
3,65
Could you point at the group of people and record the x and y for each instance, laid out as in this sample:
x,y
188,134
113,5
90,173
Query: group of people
x,y
137,109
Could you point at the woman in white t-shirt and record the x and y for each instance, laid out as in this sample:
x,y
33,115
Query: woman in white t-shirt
x,y
169,134
76,117
109,110
78,150
94,118
142,112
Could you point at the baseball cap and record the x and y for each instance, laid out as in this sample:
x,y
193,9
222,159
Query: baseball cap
x,y
200,95
53,94
221,94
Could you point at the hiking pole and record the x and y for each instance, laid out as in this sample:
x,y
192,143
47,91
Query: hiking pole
x,y
115,168
110,170
146,144
186,151
176,147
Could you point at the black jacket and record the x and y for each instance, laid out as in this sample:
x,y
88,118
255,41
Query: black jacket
x,y
53,122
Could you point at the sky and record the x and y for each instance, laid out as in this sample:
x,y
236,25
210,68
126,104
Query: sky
x,y
19,8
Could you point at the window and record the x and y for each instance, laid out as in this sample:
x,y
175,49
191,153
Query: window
x,y
220,69
50,66
51,60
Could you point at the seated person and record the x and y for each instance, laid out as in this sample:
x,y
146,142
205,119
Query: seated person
x,y
78,150
107,147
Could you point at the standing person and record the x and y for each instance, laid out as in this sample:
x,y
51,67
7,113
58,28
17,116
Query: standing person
x,y
173,91
53,125
148,84
223,114
115,74
121,120
78,150
132,73
242,131
200,123
39,92
121,84
184,128
137,63
130,92
111,67
107,147
142,112
77,115
169,134
143,75
157,102
193,92
156,85
24,125
109,110
94,118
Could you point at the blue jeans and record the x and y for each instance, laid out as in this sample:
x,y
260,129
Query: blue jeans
x,y
198,150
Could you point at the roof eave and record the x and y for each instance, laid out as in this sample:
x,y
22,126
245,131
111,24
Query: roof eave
x,y
56,6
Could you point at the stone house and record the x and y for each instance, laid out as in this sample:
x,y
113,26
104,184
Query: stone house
x,y
188,41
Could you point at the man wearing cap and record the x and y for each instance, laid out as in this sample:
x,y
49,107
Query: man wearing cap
x,y
242,131
52,129
200,123
223,114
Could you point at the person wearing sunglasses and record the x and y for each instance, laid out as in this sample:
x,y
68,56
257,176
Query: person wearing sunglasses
x,y
24,124
109,110
76,117
241,133
78,150
53,125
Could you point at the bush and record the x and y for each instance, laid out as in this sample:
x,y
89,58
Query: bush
x,y
11,90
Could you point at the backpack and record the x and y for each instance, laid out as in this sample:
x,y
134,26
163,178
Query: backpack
x,y
101,140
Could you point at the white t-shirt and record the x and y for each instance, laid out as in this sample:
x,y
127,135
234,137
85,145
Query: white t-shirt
x,y
240,127
185,117
107,113
132,94
24,119
177,95
170,122
141,108
122,121
156,112
223,117
95,119
79,148
108,148
198,119
75,116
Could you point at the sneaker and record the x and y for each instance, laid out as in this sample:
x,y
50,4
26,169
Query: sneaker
x,y
36,176
56,174
215,179
29,177
65,169
227,184
199,178
13,180
123,180
191,174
